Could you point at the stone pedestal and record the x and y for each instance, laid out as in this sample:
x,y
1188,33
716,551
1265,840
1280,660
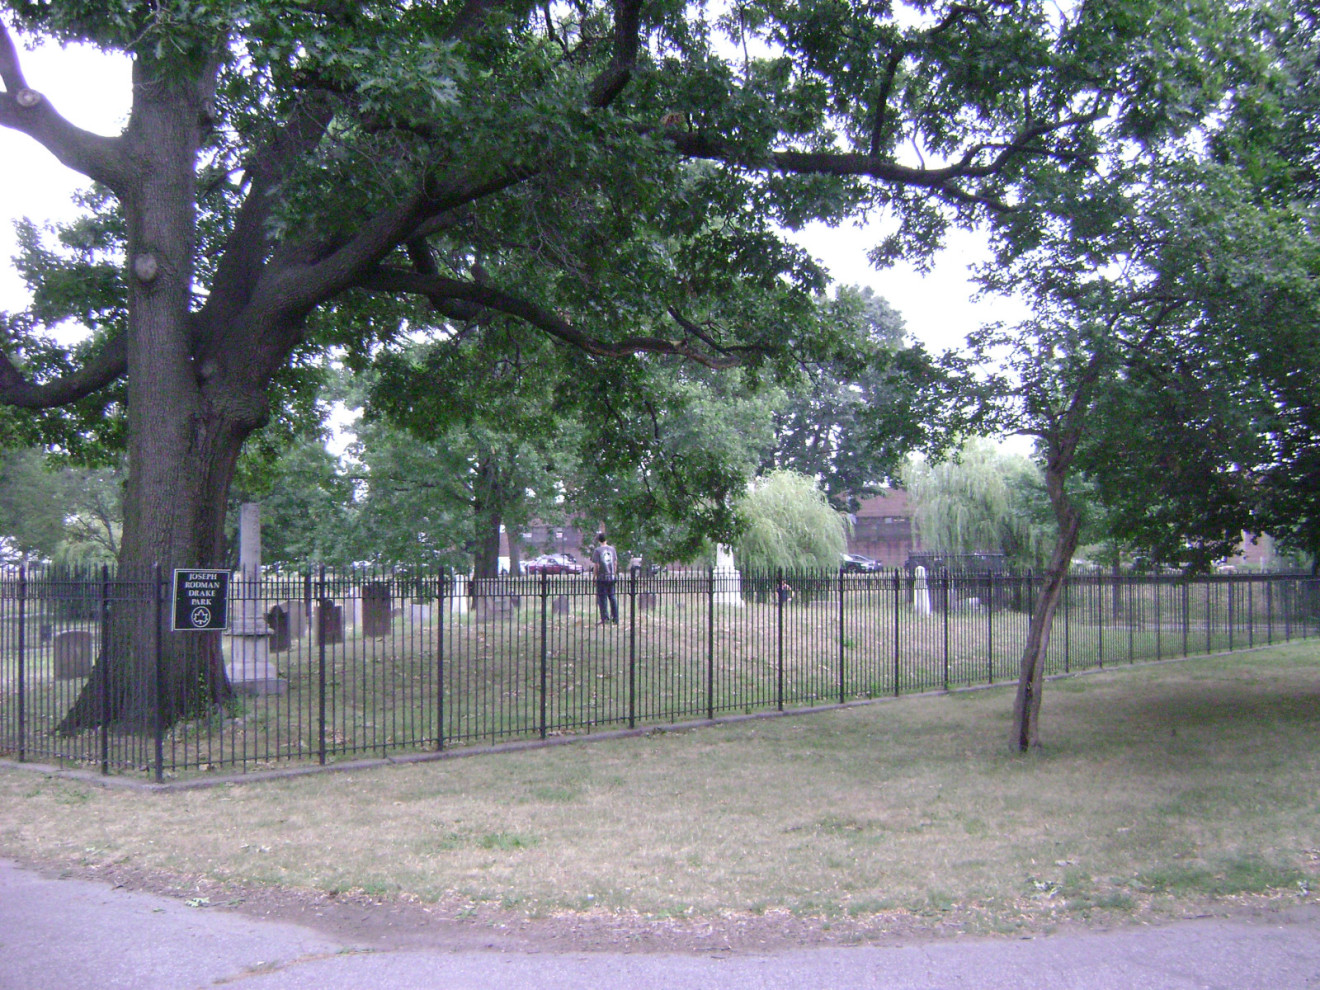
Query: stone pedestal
x,y
727,580
250,670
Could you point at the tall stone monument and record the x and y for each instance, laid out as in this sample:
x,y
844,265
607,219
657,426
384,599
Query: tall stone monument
x,y
250,670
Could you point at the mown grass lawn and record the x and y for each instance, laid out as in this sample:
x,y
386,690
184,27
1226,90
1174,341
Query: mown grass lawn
x,y
1159,790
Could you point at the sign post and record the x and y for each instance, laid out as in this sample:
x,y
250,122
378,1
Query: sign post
x,y
201,600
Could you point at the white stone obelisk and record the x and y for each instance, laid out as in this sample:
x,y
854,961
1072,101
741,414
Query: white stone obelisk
x,y
250,670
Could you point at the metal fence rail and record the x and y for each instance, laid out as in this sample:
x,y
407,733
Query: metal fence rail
x,y
358,663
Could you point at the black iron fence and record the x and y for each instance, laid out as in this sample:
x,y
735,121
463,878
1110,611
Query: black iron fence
x,y
327,665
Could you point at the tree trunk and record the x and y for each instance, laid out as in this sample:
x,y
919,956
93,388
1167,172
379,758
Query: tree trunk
x,y
177,498
487,505
194,395
1026,706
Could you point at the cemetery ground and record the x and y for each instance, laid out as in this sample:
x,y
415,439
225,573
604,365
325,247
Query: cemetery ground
x,y
1163,791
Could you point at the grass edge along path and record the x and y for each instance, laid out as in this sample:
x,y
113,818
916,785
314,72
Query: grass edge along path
x,y
1161,790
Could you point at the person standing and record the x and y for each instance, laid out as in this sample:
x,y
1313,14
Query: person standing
x,y
607,565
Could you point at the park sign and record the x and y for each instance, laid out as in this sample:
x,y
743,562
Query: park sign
x,y
201,600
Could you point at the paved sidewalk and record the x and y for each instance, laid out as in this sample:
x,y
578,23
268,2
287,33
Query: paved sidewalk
x,y
81,935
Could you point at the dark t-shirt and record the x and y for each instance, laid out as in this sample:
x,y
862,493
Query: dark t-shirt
x,y
605,559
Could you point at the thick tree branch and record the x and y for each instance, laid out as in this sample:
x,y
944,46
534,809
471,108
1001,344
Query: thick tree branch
x,y
108,364
441,290
882,100
248,244
627,25
29,112
974,163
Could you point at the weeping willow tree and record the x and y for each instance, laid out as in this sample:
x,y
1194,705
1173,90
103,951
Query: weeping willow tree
x,y
788,523
982,501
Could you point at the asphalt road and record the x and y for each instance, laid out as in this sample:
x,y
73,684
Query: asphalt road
x,y
66,934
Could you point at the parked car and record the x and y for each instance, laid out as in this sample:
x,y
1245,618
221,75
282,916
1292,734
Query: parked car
x,y
855,563
553,563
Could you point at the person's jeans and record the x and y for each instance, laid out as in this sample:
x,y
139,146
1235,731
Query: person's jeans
x,y
606,602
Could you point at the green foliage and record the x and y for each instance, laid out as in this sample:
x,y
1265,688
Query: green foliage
x,y
53,510
31,504
848,419
788,522
982,500
570,202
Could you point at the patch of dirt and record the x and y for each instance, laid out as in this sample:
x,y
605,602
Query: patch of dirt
x,y
363,921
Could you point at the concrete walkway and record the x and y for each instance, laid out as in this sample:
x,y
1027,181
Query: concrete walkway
x,y
80,935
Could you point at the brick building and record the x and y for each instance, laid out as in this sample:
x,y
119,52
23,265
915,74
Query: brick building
x,y
882,528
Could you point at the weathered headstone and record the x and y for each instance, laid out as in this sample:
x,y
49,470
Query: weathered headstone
x,y
329,622
920,592
559,605
73,653
278,620
376,609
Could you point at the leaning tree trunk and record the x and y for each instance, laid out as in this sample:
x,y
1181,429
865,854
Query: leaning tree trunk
x,y
1031,674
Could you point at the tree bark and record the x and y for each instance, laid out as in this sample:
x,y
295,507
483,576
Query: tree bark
x,y
1026,705
487,504
189,411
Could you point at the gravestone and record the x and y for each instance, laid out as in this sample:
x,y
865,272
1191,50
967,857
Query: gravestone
x,y
376,618
295,613
73,654
329,622
278,620
559,605
645,601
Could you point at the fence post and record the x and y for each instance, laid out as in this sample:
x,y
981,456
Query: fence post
x,y
779,640
710,647
1159,620
1232,616
632,649
158,592
1187,617
898,593
1065,605
989,629
440,664
1269,611
545,642
843,675
1251,610
947,595
103,682
321,618
1100,620
1128,583
22,647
